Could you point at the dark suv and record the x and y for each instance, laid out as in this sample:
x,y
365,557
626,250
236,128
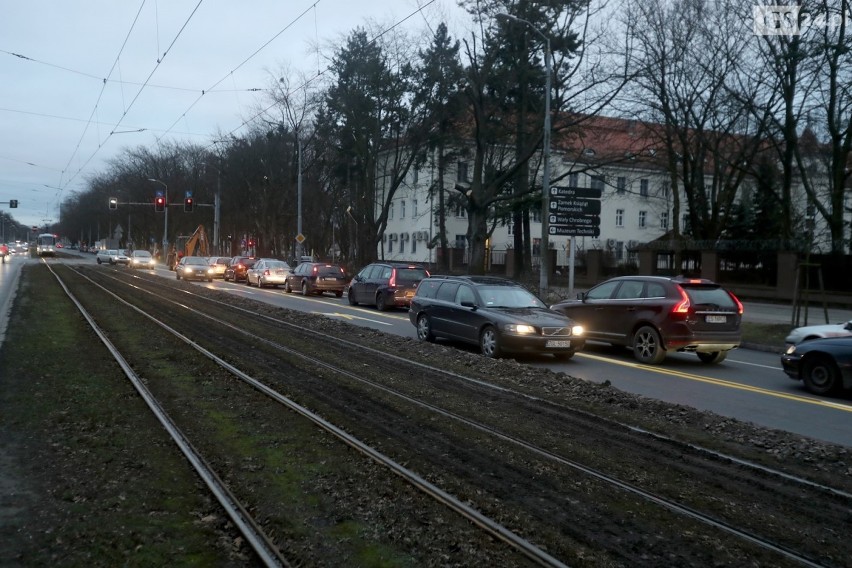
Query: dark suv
x,y
499,315
653,315
386,284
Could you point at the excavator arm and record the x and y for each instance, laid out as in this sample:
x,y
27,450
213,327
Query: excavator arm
x,y
197,244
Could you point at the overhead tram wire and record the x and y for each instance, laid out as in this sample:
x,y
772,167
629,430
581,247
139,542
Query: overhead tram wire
x,y
246,60
101,94
142,88
321,72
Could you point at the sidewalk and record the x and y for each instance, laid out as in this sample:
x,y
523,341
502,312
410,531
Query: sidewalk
x,y
761,312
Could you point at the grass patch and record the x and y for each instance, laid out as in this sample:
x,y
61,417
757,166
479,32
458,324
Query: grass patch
x,y
771,334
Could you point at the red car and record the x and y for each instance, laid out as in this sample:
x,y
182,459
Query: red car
x,y
237,268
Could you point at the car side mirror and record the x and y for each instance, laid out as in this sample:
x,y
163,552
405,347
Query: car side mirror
x,y
848,326
581,296
468,304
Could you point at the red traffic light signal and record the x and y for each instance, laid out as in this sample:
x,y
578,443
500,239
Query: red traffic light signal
x,y
159,203
188,204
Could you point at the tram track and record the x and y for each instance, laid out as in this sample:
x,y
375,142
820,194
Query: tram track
x,y
262,334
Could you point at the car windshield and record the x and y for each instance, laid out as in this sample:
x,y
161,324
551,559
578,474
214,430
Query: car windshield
x,y
194,260
142,253
509,297
277,265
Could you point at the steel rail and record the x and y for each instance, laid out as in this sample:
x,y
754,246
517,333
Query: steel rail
x,y
265,549
554,405
489,525
665,502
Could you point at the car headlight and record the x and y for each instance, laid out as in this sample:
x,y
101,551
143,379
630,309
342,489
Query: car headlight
x,y
519,328
791,350
577,330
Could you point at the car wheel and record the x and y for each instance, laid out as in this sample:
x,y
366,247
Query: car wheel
x,y
351,297
304,288
647,347
287,286
712,358
381,305
177,274
564,355
820,374
99,261
489,342
339,293
424,329
210,280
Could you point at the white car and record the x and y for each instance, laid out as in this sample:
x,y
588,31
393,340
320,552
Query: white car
x,y
818,331
141,259
106,256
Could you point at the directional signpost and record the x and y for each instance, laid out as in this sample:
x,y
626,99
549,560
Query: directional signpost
x,y
574,212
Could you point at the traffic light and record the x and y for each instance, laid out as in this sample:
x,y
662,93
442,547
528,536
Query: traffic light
x,y
159,203
113,203
13,203
188,204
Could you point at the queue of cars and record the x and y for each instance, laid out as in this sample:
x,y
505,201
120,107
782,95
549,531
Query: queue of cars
x,y
652,316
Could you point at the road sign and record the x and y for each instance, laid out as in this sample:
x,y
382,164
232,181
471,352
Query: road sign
x,y
575,230
579,220
300,238
573,192
575,206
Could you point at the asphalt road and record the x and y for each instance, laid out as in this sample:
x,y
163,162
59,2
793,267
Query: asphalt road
x,y
749,385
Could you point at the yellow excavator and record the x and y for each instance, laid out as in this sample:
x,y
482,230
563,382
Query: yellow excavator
x,y
194,245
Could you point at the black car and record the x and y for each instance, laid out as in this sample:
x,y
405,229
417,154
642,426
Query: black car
x,y
386,284
654,315
824,365
499,315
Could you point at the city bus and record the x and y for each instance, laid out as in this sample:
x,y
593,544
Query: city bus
x,y
46,244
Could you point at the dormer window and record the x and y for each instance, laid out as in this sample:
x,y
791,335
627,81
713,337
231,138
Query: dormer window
x,y
589,152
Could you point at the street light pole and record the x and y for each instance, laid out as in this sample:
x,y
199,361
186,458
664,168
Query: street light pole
x,y
166,218
545,176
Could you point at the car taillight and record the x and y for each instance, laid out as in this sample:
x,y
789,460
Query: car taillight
x,y
314,271
737,302
266,272
392,281
681,307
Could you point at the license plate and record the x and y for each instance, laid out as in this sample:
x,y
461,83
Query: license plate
x,y
716,319
557,343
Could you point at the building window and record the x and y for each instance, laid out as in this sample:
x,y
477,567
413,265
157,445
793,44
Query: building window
x,y
619,217
573,180
460,240
621,184
461,173
664,220
461,212
390,211
536,215
414,175
598,182
413,243
619,251
643,188
643,215
402,209
413,208
684,223
390,245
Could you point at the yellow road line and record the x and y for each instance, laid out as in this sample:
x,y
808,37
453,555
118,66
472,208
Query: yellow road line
x,y
720,382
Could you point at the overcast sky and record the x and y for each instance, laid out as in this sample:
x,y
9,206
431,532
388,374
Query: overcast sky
x,y
80,79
